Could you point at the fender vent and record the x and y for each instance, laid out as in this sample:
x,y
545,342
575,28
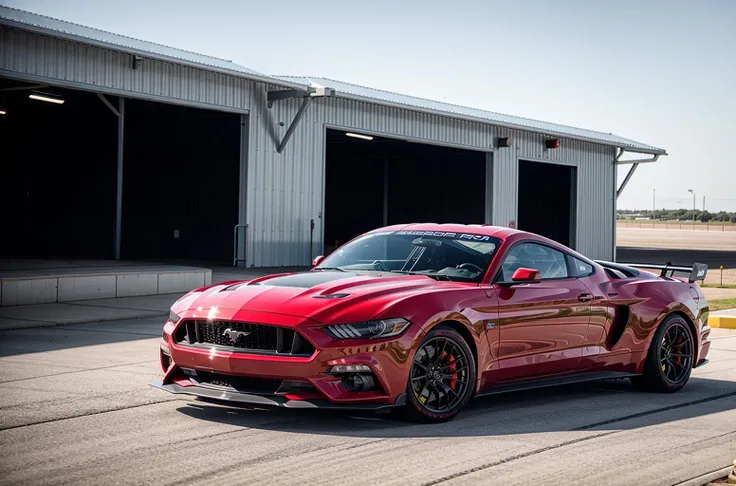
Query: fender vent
x,y
621,317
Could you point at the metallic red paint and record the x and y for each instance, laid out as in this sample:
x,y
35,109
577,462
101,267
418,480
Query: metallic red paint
x,y
517,331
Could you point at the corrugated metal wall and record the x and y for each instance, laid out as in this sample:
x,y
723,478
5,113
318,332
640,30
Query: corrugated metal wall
x,y
71,63
286,190
281,193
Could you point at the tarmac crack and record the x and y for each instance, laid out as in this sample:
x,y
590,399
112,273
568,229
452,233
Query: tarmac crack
x,y
582,439
283,454
90,414
81,370
517,457
652,412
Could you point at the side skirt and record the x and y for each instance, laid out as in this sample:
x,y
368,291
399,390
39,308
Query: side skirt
x,y
555,381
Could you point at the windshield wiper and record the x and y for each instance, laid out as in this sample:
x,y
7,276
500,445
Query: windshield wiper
x,y
437,276
329,268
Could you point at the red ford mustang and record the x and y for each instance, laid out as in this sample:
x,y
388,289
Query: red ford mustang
x,y
420,318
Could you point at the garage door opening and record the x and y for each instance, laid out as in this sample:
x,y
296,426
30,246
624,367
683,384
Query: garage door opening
x,y
58,178
180,195
382,181
547,195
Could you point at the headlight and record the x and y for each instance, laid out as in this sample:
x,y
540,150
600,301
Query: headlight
x,y
367,330
173,317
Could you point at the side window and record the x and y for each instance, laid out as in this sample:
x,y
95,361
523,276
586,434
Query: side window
x,y
579,268
551,263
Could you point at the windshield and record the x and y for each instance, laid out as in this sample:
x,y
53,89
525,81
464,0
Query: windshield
x,y
448,256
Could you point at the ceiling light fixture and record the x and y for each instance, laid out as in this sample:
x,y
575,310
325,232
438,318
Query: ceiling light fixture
x,y
357,135
46,97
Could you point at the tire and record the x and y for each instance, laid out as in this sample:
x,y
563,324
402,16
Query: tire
x,y
434,396
669,361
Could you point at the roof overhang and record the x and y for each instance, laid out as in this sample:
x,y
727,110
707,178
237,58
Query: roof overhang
x,y
69,36
512,126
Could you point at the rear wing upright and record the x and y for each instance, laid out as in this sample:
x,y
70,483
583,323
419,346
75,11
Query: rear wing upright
x,y
697,272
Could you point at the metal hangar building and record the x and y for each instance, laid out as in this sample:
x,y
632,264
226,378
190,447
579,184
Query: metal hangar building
x,y
114,147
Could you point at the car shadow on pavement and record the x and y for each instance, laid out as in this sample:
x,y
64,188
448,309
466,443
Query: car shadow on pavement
x,y
614,405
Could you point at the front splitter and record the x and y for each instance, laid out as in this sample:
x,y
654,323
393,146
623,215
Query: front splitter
x,y
269,400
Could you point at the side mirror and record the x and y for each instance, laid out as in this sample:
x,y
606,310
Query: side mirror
x,y
526,275
318,260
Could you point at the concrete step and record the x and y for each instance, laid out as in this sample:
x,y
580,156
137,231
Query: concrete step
x,y
33,285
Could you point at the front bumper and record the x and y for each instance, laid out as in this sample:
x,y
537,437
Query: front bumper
x,y
389,360
270,400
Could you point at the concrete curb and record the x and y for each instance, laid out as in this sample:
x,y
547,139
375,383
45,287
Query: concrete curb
x,y
722,322
706,478
11,324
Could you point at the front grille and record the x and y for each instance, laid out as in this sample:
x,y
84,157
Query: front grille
x,y
239,383
242,336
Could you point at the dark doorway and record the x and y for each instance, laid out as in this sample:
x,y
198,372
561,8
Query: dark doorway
x,y
57,173
180,196
547,195
380,181
58,177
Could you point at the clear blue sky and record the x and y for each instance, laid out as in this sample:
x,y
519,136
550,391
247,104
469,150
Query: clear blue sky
x,y
661,72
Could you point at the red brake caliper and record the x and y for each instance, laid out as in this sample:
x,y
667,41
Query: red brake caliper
x,y
453,367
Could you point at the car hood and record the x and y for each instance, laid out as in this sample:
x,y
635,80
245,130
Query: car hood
x,y
325,296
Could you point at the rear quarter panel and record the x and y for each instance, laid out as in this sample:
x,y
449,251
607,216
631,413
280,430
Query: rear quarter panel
x,y
650,301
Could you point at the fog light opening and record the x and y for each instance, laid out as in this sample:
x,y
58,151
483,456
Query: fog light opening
x,y
358,382
166,360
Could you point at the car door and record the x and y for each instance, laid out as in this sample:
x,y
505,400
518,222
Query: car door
x,y
542,325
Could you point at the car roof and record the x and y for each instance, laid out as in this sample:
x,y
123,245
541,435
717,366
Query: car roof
x,y
479,229
510,235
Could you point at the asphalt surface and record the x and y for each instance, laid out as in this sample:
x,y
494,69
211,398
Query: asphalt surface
x,y
76,408
713,258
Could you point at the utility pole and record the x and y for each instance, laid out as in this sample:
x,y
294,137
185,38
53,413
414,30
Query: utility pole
x,y
693,193
703,203
654,201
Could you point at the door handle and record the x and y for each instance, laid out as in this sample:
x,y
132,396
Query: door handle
x,y
585,297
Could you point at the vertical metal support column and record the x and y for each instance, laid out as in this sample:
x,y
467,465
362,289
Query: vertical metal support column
x,y
240,245
616,158
489,189
385,192
119,191
573,237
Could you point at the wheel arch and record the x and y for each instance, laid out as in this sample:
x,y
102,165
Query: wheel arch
x,y
466,333
693,329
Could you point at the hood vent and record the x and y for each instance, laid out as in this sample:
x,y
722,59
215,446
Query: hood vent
x,y
332,296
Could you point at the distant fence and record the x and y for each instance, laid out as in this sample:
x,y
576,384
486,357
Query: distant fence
x,y
678,226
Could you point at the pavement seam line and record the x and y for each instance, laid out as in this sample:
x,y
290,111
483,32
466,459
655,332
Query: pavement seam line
x,y
46,324
60,419
77,371
517,457
102,330
111,307
652,412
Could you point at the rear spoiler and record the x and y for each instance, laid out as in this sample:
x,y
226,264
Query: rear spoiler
x,y
697,272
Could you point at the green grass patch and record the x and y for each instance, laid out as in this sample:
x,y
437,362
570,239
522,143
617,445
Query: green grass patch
x,y
719,286
721,304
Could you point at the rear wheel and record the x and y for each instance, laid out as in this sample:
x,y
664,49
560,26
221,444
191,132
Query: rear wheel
x,y
442,377
670,358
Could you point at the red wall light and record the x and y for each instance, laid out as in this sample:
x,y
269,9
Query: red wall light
x,y
552,144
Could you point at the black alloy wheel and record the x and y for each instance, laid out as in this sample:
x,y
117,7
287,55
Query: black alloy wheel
x,y
676,352
670,358
442,376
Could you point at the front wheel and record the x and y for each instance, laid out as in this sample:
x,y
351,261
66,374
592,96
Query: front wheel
x,y
670,358
442,377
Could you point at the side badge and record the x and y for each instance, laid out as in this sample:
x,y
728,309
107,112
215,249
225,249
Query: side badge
x,y
491,325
